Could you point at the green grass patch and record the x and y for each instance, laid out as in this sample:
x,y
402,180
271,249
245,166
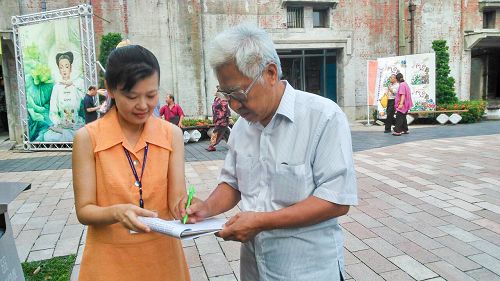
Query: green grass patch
x,y
54,269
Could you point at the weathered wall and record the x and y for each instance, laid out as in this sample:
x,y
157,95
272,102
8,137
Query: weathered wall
x,y
179,33
448,20
373,28
359,31
9,8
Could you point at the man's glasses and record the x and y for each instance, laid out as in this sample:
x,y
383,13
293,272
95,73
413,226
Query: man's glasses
x,y
238,95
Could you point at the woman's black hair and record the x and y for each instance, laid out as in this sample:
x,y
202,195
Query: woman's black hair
x,y
399,77
128,65
67,55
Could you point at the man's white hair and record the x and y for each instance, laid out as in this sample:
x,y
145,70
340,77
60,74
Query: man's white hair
x,y
250,48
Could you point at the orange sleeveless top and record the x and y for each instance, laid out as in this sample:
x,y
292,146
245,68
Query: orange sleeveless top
x,y
111,251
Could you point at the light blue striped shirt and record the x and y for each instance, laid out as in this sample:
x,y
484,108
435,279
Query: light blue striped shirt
x,y
305,150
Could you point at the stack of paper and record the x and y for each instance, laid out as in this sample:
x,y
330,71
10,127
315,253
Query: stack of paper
x,y
177,229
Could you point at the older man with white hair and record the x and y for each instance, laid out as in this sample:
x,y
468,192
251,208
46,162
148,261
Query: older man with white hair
x,y
289,163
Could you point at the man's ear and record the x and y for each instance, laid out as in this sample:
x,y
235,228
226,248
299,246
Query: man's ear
x,y
272,73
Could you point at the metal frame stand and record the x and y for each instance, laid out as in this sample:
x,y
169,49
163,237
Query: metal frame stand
x,y
84,13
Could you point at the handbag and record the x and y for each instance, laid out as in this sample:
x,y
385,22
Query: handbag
x,y
384,100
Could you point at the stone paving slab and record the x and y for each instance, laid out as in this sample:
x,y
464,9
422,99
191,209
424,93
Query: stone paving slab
x,y
432,215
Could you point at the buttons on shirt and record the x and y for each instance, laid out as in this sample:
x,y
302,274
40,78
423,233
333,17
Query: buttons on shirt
x,y
136,162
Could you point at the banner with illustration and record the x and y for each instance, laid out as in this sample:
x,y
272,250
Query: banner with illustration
x,y
419,72
371,67
54,80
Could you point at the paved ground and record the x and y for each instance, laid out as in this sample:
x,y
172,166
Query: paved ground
x,y
363,138
429,207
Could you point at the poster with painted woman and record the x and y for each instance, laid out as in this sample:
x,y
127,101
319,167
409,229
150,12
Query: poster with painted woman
x,y
54,79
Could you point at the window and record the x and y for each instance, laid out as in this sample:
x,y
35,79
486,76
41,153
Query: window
x,y
295,17
320,18
489,19
311,70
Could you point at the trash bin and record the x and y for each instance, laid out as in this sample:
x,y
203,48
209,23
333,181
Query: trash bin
x,y
10,266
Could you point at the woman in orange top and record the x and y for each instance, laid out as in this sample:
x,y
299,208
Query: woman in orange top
x,y
129,164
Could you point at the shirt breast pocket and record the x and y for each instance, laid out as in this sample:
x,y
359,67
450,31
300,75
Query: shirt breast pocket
x,y
245,173
289,184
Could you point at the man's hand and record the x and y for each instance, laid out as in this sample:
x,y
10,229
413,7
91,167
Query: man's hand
x,y
198,210
242,227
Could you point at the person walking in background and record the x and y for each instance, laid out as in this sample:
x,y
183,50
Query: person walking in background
x,y
172,111
221,114
126,165
403,103
89,105
392,90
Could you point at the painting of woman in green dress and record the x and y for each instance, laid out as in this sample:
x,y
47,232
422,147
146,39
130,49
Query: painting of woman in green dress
x,y
54,84
65,103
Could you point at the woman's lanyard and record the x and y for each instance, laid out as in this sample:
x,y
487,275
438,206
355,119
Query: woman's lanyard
x,y
138,181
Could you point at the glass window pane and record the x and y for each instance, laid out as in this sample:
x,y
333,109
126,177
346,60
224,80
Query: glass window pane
x,y
489,19
295,17
291,68
331,78
314,52
314,75
320,18
289,52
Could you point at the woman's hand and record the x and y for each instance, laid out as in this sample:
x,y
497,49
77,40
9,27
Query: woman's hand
x,y
127,214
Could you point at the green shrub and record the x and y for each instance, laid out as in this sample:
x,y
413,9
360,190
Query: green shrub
x,y
108,44
196,122
475,109
445,85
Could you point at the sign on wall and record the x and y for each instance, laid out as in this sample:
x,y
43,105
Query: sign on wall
x,y
56,64
419,72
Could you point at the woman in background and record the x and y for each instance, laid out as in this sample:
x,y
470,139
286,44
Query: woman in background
x,y
403,103
392,90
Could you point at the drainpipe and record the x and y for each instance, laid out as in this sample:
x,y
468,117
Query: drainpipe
x,y
411,8
401,28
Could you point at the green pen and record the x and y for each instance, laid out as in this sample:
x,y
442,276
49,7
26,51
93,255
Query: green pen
x,y
190,197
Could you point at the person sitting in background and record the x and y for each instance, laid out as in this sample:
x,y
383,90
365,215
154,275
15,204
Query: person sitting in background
x,y
172,111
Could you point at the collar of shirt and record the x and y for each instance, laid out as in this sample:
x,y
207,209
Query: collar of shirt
x,y
113,135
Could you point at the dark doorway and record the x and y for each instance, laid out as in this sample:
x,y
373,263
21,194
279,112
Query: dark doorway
x,y
313,71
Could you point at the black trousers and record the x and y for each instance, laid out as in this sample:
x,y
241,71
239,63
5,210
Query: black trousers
x,y
390,115
401,123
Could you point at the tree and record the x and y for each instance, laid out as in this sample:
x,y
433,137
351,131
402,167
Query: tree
x,y
445,85
108,44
